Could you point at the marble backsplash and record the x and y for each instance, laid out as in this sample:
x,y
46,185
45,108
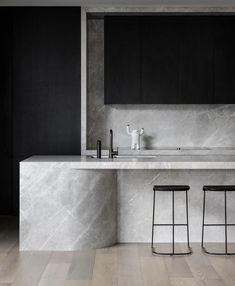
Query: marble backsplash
x,y
165,125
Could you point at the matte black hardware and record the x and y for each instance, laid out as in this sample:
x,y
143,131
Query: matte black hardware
x,y
112,153
224,189
98,149
172,189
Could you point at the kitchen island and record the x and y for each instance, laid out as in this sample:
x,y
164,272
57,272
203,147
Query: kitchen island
x,y
77,202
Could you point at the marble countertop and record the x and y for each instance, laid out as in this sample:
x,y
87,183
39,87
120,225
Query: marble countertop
x,y
159,162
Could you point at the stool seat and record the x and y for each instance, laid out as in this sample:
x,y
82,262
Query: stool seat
x,y
219,188
171,188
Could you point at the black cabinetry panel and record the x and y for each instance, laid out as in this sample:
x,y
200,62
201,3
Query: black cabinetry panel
x,y
160,59
224,60
46,81
196,76
122,60
174,59
6,201
40,82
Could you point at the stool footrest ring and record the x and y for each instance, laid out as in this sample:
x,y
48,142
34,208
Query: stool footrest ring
x,y
219,224
217,253
170,224
154,251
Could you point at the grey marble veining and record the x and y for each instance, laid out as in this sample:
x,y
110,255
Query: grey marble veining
x,y
66,209
165,125
63,207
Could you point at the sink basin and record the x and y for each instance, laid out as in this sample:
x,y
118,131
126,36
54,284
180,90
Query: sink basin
x,y
127,156
173,151
136,156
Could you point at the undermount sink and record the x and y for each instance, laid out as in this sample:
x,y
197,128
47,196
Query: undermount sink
x,y
172,151
126,156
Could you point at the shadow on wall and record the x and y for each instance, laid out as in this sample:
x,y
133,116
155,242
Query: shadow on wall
x,y
147,141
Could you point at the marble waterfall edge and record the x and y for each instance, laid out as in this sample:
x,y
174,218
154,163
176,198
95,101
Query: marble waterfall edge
x,y
66,209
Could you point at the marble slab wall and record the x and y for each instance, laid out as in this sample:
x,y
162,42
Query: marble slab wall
x,y
165,125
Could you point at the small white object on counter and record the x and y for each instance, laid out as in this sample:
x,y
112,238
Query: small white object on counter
x,y
135,137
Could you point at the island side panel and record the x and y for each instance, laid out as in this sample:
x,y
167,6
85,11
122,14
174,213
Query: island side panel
x,y
66,209
135,198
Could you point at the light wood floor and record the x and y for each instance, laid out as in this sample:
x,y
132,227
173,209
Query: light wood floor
x,y
122,265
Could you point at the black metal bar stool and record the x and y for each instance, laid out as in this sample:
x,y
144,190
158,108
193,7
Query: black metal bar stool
x,y
172,189
224,189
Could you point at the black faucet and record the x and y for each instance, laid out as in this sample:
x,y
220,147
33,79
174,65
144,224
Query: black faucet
x,y
111,151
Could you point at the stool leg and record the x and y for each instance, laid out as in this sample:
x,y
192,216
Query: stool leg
x,y
225,222
187,217
173,222
203,219
153,219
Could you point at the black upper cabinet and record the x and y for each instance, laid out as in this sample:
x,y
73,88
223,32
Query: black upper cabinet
x,y
122,60
195,60
224,63
169,59
159,59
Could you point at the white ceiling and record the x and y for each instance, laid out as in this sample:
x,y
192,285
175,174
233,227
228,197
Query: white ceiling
x,y
117,2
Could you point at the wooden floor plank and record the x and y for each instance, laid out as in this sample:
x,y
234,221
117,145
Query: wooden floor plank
x,y
129,269
178,281
82,265
177,267
201,267
30,267
154,271
54,274
105,270
212,282
225,269
77,283
9,265
61,257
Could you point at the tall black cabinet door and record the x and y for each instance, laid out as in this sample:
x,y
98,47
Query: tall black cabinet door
x,y
6,110
160,59
45,84
196,60
224,60
122,59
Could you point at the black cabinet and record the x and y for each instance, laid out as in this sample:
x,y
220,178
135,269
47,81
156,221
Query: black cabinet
x,y
169,59
224,60
40,89
195,60
45,83
122,60
160,59
6,111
